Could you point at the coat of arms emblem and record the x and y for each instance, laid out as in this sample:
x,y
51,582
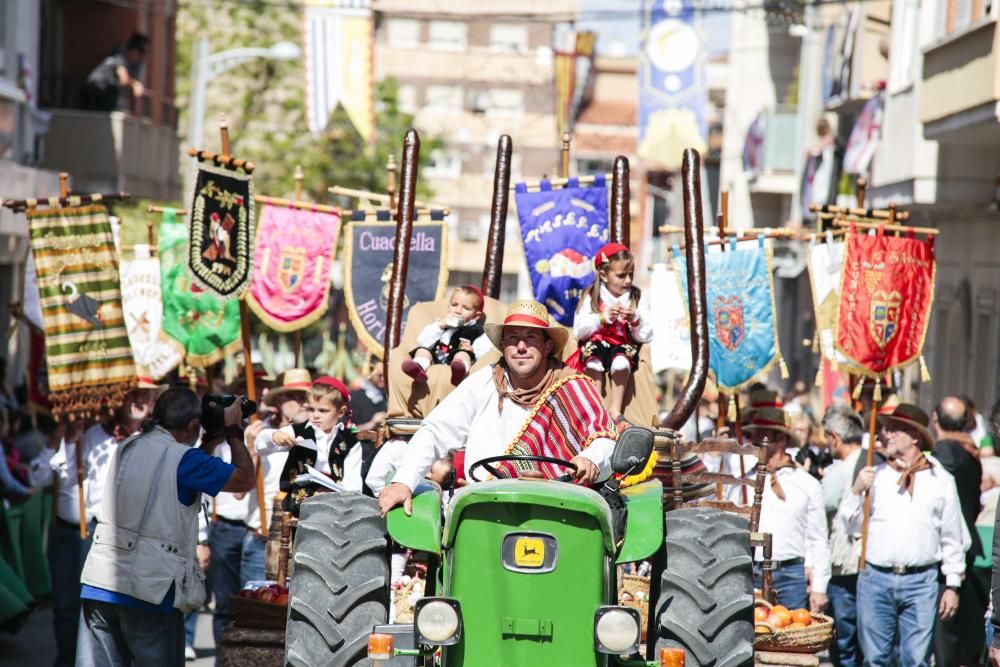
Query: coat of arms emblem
x,y
291,265
883,321
729,321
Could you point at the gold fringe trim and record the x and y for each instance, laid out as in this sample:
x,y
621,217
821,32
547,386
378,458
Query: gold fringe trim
x,y
89,401
783,368
925,373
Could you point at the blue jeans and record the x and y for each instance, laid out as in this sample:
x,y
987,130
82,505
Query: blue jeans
x,y
252,559
65,565
842,591
112,635
789,584
190,625
896,615
226,542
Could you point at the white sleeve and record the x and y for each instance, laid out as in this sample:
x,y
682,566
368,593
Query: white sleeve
x,y
352,470
481,346
586,322
850,510
599,453
446,427
42,469
384,464
817,540
642,332
429,335
955,539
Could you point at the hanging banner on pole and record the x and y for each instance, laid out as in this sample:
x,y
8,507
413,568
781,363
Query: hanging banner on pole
x,y
368,270
204,327
886,292
142,303
673,92
865,136
338,59
742,327
825,263
671,346
292,261
88,354
562,230
220,250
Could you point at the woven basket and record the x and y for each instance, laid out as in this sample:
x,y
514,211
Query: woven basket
x,y
257,613
633,585
811,639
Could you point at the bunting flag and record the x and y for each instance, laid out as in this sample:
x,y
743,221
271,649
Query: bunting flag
x,y
220,250
825,263
142,303
292,261
204,327
671,346
89,358
562,230
339,38
886,292
368,269
742,327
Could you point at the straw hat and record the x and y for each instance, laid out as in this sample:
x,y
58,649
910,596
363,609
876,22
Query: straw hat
x,y
528,313
294,379
912,416
761,398
773,419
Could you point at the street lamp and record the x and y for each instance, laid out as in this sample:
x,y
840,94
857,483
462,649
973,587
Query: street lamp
x,y
208,65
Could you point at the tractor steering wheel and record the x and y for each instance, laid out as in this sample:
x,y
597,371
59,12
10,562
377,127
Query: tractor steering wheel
x,y
485,463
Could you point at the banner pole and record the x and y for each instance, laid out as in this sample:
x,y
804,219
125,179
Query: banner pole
x,y
493,268
79,487
390,180
869,459
297,336
621,217
565,154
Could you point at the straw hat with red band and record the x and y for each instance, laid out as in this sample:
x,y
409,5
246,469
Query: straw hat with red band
x,y
910,415
478,292
528,313
772,419
294,379
607,251
144,379
761,398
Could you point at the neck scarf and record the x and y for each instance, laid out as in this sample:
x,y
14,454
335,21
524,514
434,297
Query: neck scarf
x,y
773,468
527,397
908,474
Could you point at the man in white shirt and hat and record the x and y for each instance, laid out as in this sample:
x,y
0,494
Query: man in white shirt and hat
x,y
486,412
792,511
915,533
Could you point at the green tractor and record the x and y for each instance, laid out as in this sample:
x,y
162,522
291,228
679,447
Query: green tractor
x,y
525,571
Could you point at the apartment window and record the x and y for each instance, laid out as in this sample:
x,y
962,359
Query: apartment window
x,y
443,98
959,13
403,33
507,38
407,98
506,102
904,38
470,230
444,164
448,36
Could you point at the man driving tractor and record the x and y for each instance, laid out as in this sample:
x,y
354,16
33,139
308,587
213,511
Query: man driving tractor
x,y
529,404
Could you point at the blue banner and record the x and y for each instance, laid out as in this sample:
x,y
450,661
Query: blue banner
x,y
743,337
673,92
562,230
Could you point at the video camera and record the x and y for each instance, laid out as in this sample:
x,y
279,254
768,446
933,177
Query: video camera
x,y
213,409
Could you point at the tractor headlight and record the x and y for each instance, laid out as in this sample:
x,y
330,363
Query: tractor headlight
x,y
616,630
437,621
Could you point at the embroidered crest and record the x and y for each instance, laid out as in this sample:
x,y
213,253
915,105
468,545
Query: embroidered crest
x,y
729,321
291,265
884,319
220,252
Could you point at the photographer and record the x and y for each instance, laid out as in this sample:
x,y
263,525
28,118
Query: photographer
x,y
141,573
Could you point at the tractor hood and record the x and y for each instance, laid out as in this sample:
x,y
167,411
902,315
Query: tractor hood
x,y
542,493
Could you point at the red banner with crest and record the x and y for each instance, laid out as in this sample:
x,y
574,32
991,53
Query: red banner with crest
x,y
886,292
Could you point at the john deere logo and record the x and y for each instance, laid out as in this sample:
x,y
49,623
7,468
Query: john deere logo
x,y
529,552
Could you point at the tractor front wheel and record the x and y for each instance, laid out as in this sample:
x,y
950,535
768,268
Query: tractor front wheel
x,y
340,587
705,601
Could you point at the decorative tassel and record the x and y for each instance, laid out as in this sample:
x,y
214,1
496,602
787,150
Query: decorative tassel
x,y
783,368
834,366
925,373
819,377
815,343
856,394
877,392
731,412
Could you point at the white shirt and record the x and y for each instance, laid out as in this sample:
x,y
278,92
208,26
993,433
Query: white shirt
x,y
916,530
227,505
272,459
432,333
728,463
97,448
798,523
468,417
385,463
587,322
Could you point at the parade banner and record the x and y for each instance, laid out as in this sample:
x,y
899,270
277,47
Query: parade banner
x,y
142,303
562,230
886,292
673,91
368,270
204,327
865,136
671,346
339,37
87,349
742,327
825,263
292,261
220,249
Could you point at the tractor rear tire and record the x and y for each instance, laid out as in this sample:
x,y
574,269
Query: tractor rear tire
x,y
705,600
340,587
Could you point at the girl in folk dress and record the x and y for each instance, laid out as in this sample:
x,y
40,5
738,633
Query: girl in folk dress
x,y
612,322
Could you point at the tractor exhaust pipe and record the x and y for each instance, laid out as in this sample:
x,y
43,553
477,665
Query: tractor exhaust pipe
x,y
694,251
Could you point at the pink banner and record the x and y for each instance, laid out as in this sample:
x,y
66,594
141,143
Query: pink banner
x,y
292,259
